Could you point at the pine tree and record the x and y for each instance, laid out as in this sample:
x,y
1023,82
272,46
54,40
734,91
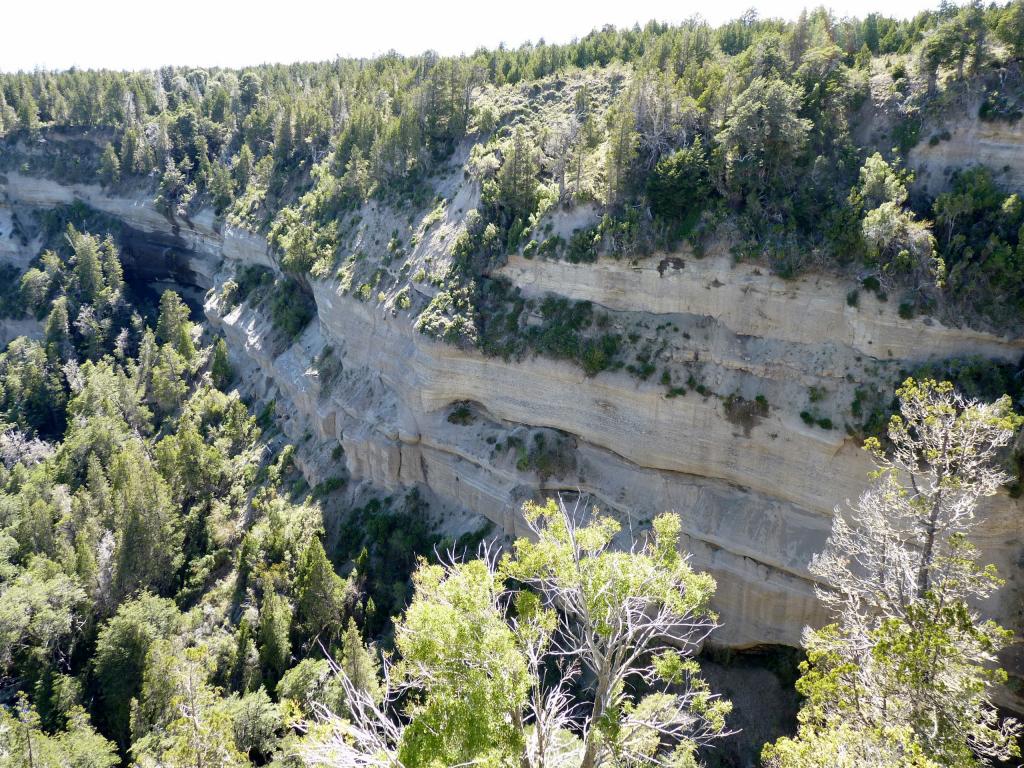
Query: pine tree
x,y
113,272
121,649
58,325
517,179
28,115
241,169
148,524
167,384
358,662
220,367
245,670
908,669
173,326
88,271
25,744
622,151
274,645
319,593
110,166
1010,28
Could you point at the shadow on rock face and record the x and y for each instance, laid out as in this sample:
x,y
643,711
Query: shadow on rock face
x,y
759,683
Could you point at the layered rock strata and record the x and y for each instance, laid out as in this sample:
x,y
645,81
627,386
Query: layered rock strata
x,y
755,500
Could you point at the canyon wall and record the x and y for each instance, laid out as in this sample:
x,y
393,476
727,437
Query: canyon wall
x,y
755,499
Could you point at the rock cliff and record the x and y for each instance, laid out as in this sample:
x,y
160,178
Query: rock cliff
x,y
755,498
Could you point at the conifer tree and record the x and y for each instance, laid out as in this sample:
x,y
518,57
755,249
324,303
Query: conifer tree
x,y
113,272
173,326
220,367
88,271
906,674
274,645
28,115
517,179
319,594
110,165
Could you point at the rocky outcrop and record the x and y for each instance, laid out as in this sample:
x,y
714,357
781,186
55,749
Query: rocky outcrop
x,y
994,144
755,499
10,329
809,310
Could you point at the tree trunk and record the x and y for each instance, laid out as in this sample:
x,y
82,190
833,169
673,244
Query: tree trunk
x,y
928,553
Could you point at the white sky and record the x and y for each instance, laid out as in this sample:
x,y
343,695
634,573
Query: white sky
x,y
137,34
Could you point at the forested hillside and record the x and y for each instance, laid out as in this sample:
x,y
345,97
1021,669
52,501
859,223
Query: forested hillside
x,y
760,129
285,334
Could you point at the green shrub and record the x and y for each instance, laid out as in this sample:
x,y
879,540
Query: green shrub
x,y
328,486
254,281
291,308
461,415
743,412
583,246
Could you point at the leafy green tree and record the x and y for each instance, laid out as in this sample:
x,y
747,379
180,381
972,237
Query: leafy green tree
x,y
58,325
680,183
955,40
32,392
193,470
222,187
879,183
220,367
245,668
358,663
147,525
310,685
622,151
892,235
517,177
42,613
255,722
88,272
249,89
900,243
136,154
28,116
489,686
454,630
241,168
113,272
107,392
167,383
194,725
1010,28
908,670
35,288
176,191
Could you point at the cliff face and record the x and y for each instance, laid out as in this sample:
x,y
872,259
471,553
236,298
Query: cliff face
x,y
755,498
971,142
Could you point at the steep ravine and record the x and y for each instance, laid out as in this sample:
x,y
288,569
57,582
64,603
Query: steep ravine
x,y
755,500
